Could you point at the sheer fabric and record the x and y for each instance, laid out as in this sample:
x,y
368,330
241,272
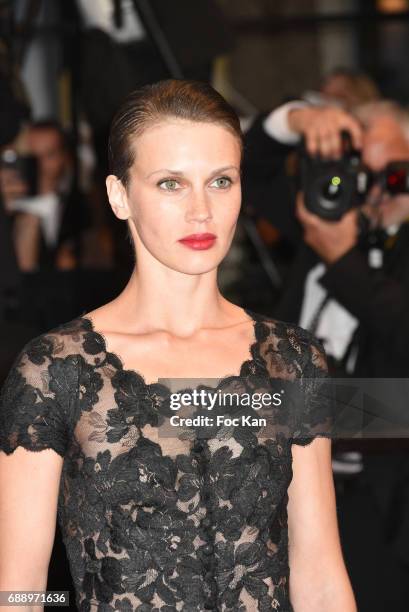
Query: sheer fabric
x,y
153,521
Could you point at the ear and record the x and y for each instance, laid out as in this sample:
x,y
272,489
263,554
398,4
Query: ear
x,y
117,197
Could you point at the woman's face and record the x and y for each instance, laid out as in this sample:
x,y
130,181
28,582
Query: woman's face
x,y
185,180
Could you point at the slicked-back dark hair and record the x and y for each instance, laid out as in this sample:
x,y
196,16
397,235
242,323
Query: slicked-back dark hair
x,y
170,98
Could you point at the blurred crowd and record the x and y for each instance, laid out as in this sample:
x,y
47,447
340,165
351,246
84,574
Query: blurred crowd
x,y
65,251
342,257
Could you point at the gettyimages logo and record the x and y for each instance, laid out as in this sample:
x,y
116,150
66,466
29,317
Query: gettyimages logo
x,y
209,399
346,408
212,408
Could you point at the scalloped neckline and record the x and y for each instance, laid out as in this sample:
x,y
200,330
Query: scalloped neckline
x,y
252,350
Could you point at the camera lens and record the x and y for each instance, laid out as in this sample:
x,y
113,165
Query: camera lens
x,y
396,182
9,156
332,191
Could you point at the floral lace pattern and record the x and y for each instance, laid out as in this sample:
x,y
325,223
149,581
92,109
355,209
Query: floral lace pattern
x,y
156,523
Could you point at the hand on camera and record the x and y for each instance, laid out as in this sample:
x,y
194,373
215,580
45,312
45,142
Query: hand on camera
x,y
12,187
322,127
329,239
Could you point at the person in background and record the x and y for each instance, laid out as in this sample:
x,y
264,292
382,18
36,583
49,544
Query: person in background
x,y
349,88
360,313
381,131
47,226
270,142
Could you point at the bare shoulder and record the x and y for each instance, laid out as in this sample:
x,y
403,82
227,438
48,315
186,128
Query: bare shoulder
x,y
103,316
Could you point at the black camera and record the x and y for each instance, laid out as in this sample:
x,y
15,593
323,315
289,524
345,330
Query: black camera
x,y
332,187
25,166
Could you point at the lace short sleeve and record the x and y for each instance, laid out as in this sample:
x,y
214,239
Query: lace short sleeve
x,y
315,414
35,398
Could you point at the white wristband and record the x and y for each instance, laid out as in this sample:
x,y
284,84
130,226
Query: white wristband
x,y
276,123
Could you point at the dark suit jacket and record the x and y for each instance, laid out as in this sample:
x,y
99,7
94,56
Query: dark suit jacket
x,y
195,32
265,185
378,298
76,217
12,113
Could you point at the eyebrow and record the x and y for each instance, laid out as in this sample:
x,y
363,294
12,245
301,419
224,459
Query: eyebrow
x,y
180,173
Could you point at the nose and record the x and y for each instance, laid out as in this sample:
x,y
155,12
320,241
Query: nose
x,y
199,207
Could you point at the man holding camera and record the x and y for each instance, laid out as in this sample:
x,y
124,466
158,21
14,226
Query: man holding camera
x,y
349,284
48,209
368,280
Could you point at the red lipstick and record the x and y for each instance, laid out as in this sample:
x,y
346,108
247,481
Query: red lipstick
x,y
198,241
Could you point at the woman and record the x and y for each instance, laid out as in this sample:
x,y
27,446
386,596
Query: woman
x,y
155,517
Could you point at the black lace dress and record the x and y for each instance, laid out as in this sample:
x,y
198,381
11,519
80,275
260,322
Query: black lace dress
x,y
191,521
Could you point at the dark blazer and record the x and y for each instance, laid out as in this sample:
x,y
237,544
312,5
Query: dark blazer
x,y
266,189
195,33
378,298
12,113
76,217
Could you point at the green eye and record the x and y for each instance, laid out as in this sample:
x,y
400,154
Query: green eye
x,y
171,184
226,182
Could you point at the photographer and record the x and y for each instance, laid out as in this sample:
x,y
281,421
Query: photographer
x,y
355,297
47,220
377,300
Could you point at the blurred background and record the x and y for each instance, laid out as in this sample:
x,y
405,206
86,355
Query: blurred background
x,y
65,65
